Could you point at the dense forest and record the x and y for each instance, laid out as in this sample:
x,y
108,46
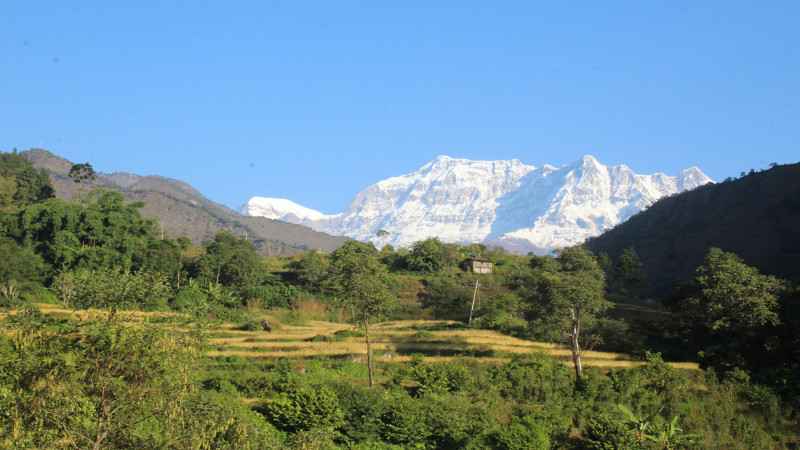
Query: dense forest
x,y
114,337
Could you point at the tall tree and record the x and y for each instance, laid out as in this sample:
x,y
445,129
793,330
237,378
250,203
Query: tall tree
x,y
20,183
364,284
569,292
80,173
102,233
310,270
628,273
722,313
234,262
427,255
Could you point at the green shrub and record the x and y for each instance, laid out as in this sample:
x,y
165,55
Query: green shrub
x,y
304,408
190,300
404,421
521,434
606,433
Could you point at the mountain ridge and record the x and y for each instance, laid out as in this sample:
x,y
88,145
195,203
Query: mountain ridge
x,y
506,203
184,211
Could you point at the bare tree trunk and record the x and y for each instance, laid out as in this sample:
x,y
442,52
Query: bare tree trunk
x,y
576,349
219,268
369,352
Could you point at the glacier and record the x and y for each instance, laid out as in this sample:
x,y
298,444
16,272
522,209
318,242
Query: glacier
x,y
504,203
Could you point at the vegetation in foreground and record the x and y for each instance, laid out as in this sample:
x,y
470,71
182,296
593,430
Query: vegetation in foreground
x,y
116,338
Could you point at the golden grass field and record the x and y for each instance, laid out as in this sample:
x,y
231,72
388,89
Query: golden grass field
x,y
393,341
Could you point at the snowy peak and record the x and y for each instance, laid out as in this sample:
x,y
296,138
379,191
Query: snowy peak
x,y
278,209
503,203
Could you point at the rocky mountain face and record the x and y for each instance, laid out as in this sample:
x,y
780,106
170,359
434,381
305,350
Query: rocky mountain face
x,y
181,210
506,203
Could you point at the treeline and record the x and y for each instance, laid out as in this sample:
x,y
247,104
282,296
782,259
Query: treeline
x,y
98,382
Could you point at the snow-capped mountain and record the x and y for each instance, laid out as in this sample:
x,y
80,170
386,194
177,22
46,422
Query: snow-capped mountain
x,y
505,203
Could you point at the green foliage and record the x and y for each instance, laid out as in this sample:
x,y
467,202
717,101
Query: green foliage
x,y
102,233
521,434
446,300
404,421
102,384
190,300
19,264
537,380
304,408
628,273
501,312
271,292
80,173
161,256
111,289
310,270
232,262
364,285
426,256
723,313
606,433
20,184
568,292
362,408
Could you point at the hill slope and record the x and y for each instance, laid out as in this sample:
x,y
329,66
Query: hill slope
x,y
183,211
756,217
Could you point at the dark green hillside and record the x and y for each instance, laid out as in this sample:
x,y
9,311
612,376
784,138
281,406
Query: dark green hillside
x,y
183,211
756,217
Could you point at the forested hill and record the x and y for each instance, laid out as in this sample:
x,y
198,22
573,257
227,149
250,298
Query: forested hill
x,y
756,217
183,211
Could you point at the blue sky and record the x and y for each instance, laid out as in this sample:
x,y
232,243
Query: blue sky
x,y
316,101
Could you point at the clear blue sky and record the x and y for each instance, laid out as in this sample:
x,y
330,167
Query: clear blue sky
x,y
314,101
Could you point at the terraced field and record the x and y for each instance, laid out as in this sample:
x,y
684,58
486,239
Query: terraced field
x,y
392,342
397,342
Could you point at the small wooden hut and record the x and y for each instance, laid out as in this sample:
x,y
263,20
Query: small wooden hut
x,y
478,265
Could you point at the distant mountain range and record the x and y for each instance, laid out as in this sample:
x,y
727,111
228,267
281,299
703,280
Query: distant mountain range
x,y
183,211
757,217
505,203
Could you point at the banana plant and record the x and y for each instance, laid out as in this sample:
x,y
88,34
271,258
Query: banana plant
x,y
641,426
671,437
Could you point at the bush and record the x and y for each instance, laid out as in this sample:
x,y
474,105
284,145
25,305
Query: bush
x,y
190,300
521,434
304,408
605,433
112,289
404,421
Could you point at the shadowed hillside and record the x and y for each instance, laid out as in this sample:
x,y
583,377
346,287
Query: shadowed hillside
x,y
183,211
756,217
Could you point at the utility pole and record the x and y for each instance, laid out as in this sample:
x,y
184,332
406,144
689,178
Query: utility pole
x,y
475,294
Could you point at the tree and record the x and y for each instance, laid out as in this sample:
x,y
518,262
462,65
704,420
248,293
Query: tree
x,y
19,264
80,173
722,313
20,184
104,232
446,300
628,273
231,261
364,285
568,292
310,270
427,255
